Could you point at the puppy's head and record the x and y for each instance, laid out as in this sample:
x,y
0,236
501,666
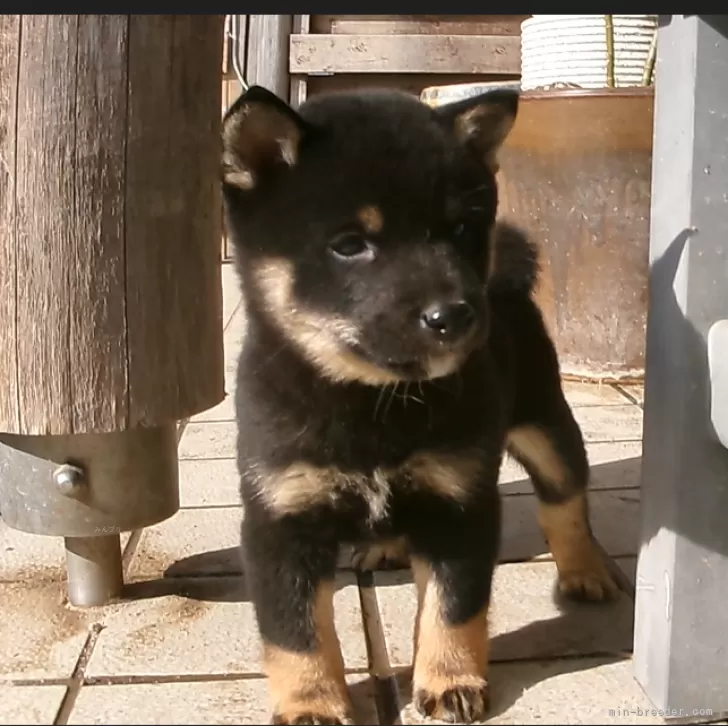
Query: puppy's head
x,y
362,225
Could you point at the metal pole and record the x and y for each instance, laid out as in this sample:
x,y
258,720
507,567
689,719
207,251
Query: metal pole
x,y
94,569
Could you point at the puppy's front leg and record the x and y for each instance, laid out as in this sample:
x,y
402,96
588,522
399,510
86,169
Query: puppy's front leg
x,y
291,582
453,571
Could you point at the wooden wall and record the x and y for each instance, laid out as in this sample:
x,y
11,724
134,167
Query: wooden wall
x,y
410,52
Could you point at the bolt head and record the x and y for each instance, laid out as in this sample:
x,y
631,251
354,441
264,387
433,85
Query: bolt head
x,y
70,480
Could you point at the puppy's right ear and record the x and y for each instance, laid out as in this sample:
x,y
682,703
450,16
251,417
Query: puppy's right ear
x,y
260,133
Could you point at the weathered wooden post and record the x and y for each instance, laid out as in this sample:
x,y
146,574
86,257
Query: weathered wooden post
x,y
110,301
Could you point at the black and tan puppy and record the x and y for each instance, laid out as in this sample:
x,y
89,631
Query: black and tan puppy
x,y
393,353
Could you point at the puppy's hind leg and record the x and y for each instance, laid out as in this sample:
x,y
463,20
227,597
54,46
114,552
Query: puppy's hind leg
x,y
290,578
391,554
549,445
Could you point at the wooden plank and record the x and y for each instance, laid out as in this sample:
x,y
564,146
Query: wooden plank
x,y
268,50
46,131
195,162
409,82
299,87
405,54
225,50
414,24
231,89
148,225
9,60
174,304
98,371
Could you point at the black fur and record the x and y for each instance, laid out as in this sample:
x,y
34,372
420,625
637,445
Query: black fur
x,y
437,197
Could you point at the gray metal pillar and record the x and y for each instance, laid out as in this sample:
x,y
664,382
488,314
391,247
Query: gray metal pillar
x,y
681,619
88,489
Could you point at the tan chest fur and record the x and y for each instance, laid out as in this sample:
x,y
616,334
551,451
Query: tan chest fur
x,y
302,486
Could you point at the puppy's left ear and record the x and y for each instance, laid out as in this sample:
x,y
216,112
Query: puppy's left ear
x,y
482,122
260,137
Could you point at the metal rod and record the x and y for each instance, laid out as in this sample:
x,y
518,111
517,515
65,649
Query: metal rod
x,y
609,27
94,569
650,62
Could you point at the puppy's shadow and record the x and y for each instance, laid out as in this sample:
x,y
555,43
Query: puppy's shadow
x,y
510,680
521,658
213,576
202,589
580,636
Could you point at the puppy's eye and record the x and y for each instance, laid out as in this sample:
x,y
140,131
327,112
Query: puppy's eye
x,y
352,247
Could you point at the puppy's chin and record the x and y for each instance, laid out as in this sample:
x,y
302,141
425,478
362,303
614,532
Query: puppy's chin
x,y
406,371
443,365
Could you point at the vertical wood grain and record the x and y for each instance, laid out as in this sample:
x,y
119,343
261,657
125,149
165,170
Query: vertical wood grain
x,y
46,142
268,52
98,365
173,225
110,293
9,59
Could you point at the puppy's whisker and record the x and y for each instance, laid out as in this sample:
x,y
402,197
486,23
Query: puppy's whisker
x,y
389,401
407,396
474,191
379,401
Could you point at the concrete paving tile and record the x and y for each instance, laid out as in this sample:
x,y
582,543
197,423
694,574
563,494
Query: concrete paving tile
x,y
615,518
628,565
527,621
210,702
212,482
192,542
197,542
40,636
591,394
570,691
30,705
232,343
30,557
614,464
610,423
231,293
224,411
201,626
208,440
636,391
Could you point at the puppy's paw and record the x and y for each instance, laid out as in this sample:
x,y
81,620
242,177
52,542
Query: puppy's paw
x,y
387,555
455,702
311,717
315,702
592,582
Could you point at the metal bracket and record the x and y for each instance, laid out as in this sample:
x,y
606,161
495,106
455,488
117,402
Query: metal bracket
x,y
718,372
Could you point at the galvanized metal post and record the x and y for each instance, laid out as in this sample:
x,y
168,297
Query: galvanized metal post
x,y
88,488
681,626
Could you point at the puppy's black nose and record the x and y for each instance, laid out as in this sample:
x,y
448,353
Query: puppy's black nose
x,y
448,321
